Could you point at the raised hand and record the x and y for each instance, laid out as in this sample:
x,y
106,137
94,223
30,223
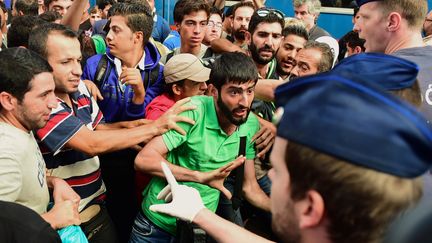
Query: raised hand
x,y
132,77
183,202
170,118
217,177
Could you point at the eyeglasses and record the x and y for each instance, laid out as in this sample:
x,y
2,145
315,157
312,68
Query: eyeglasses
x,y
264,12
212,24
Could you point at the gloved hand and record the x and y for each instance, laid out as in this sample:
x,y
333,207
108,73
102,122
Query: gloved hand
x,y
183,202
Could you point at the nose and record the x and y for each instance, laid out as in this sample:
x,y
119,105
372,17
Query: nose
x,y
76,70
244,100
356,27
203,86
294,72
52,101
297,16
109,36
198,28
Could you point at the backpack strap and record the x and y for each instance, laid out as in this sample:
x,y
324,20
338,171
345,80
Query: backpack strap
x,y
101,71
151,76
239,175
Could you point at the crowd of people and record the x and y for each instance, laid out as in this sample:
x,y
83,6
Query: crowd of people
x,y
236,124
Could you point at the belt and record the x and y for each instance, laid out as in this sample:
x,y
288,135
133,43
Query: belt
x,y
89,213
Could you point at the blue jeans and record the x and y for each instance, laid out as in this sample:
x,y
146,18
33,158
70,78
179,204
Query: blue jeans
x,y
225,208
143,230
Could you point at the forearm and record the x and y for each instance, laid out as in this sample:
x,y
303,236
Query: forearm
x,y
265,88
222,230
123,124
224,45
251,189
148,161
73,16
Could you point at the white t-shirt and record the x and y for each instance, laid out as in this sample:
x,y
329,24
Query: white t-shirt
x,y
22,169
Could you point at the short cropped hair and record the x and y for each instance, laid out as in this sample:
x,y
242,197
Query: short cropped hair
x,y
19,31
270,18
27,7
314,6
39,36
185,7
410,94
241,5
359,202
414,11
18,66
352,39
297,30
233,67
326,62
50,16
138,16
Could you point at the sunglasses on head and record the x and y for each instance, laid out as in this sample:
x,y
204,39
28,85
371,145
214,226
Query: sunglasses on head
x,y
264,12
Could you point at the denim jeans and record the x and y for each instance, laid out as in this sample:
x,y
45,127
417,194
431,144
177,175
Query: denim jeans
x,y
225,208
143,230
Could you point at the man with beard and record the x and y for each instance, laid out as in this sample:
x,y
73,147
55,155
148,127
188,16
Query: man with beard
x,y
295,37
221,119
239,38
342,187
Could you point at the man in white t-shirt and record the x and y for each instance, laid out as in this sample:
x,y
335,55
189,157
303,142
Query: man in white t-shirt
x,y
26,99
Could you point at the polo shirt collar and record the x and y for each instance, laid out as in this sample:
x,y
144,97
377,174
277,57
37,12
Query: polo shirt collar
x,y
211,120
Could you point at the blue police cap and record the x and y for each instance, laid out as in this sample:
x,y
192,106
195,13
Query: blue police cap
x,y
389,72
357,122
361,2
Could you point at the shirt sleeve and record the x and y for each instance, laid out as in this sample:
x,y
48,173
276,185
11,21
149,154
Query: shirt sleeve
x,y
61,127
172,138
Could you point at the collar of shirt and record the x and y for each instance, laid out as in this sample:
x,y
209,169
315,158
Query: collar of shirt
x,y
118,67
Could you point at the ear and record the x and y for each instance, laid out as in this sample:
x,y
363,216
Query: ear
x,y
139,37
248,37
178,27
357,49
176,89
394,21
310,210
7,101
212,91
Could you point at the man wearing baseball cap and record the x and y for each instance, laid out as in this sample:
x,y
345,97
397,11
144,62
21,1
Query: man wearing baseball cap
x,y
185,76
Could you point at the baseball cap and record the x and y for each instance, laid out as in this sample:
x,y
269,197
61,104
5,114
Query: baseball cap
x,y
185,66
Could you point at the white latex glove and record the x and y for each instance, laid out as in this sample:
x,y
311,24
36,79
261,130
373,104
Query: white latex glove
x,y
184,202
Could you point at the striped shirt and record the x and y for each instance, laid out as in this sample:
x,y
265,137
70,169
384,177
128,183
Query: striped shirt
x,y
81,172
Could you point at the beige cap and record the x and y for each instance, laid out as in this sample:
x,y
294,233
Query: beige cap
x,y
185,66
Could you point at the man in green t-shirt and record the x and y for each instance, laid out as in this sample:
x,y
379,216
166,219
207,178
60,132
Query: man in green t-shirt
x,y
205,155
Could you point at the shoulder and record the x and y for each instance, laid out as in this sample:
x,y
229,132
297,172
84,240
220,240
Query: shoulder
x,y
13,141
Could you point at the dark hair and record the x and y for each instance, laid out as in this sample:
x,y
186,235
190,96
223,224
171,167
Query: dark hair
x,y
103,3
352,39
234,67
39,36
270,18
297,30
241,5
27,7
214,10
326,61
185,7
168,87
50,16
365,200
19,31
18,66
138,16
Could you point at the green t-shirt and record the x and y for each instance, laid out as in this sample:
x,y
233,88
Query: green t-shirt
x,y
205,147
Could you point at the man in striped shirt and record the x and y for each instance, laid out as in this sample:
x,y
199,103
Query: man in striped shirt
x,y
75,133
